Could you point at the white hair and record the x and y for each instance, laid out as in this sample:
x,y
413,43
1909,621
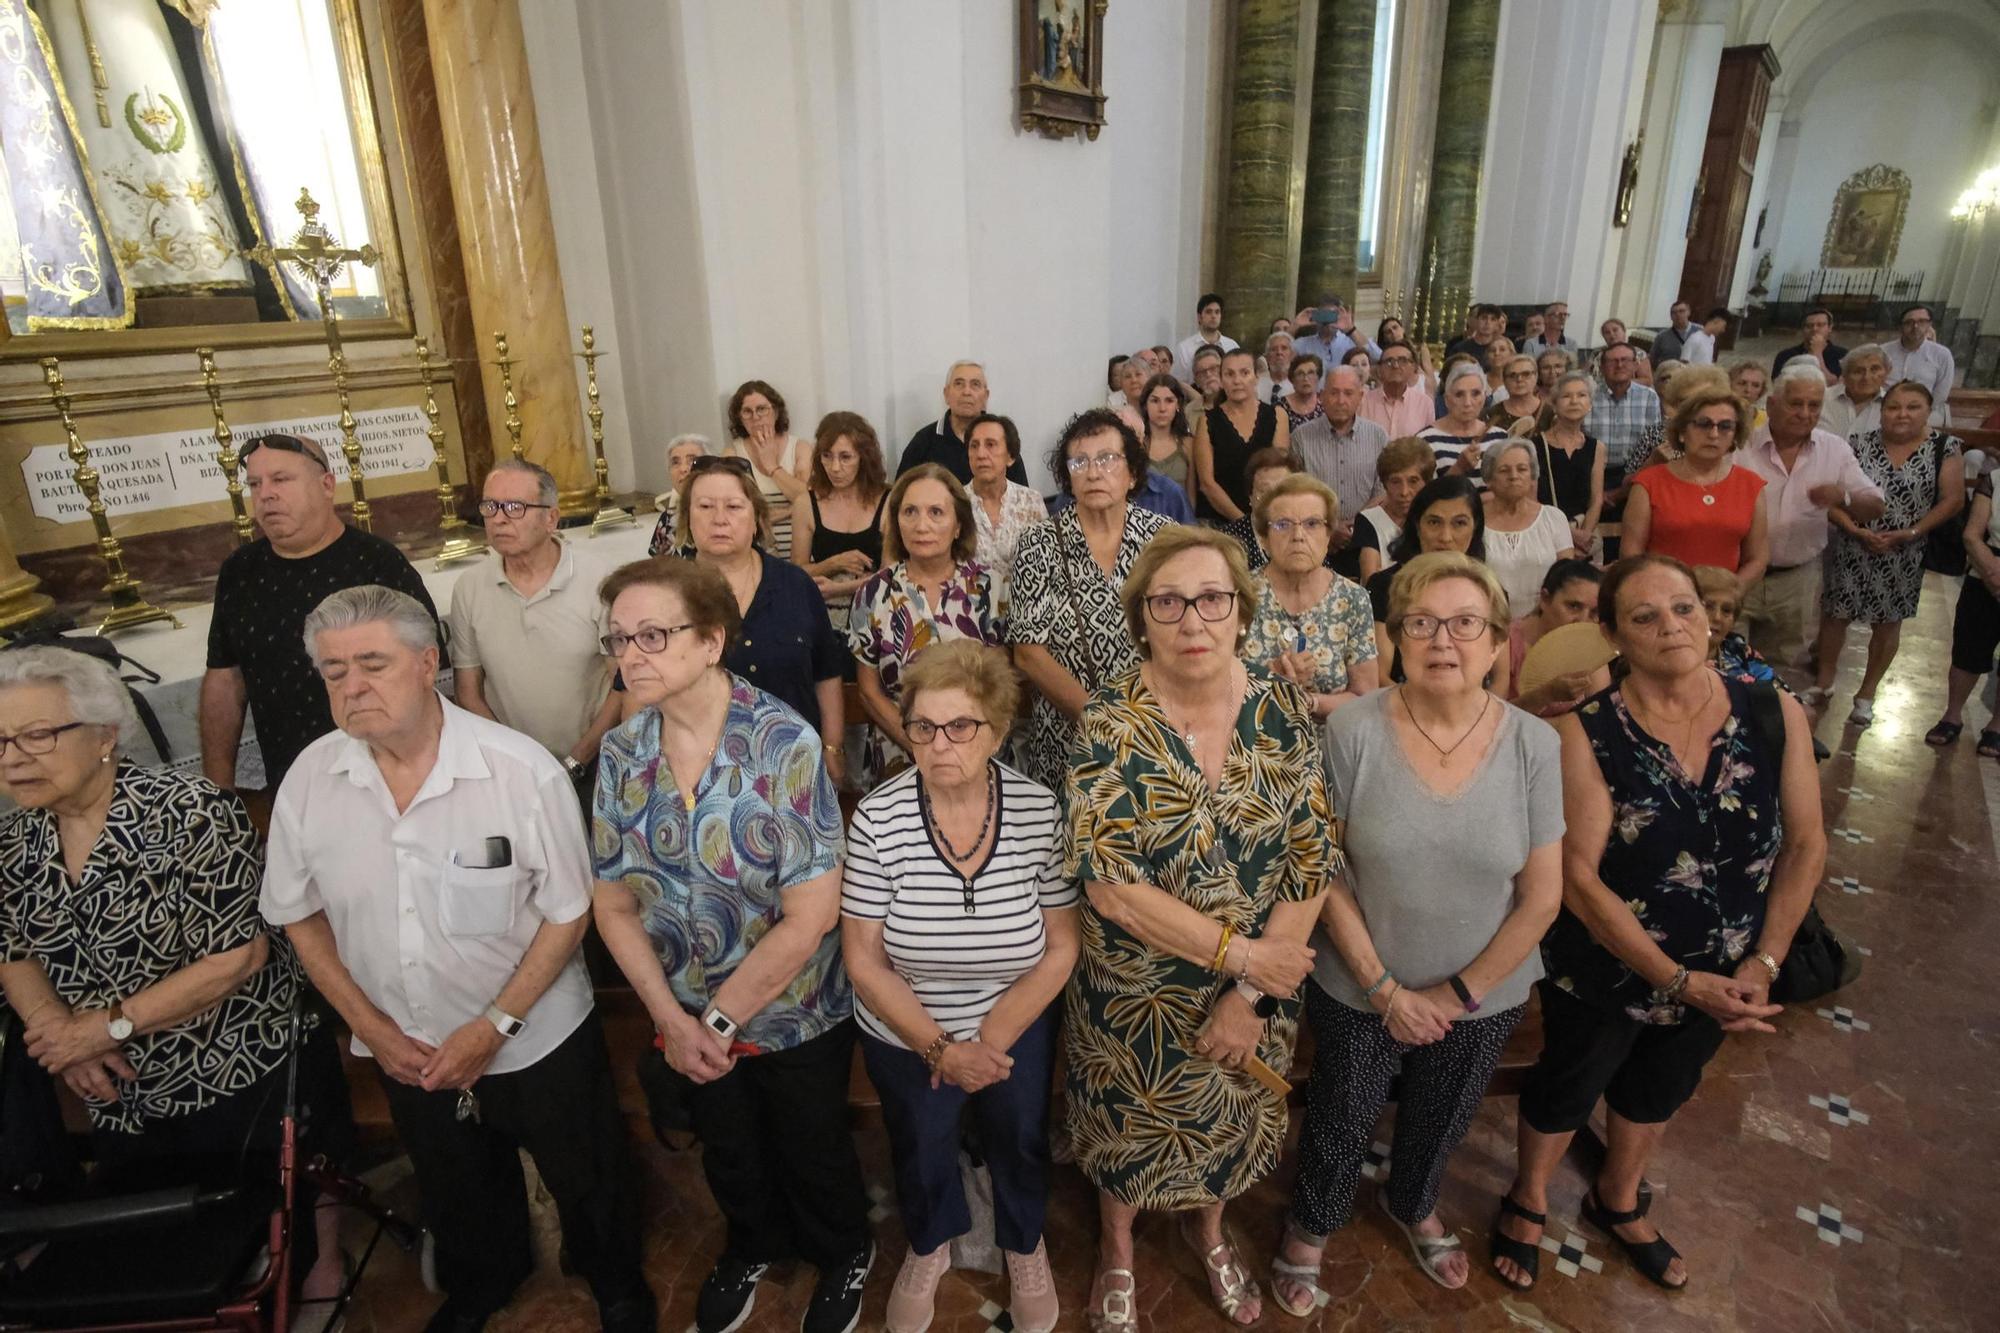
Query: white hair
x,y
1799,370
96,695
545,481
688,437
366,604
956,366
1867,352
1343,369
1489,460
1461,371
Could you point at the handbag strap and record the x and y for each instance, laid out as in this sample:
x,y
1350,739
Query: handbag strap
x,y
1076,609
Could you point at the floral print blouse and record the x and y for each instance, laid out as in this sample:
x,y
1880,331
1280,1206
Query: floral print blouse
x,y
1022,508
893,620
1338,631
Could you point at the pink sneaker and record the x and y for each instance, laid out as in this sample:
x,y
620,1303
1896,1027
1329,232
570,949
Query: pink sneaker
x,y
1031,1290
913,1300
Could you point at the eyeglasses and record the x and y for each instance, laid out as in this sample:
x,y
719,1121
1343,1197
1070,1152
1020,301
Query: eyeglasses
x,y
1710,426
717,462
1311,527
1106,463
37,740
651,639
1463,628
514,509
922,731
285,444
1168,608
1398,361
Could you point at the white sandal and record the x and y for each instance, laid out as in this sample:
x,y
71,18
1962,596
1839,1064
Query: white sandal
x,y
1114,1309
1427,1249
1299,1275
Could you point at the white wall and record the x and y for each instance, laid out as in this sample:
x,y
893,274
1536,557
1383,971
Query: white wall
x,y
1908,100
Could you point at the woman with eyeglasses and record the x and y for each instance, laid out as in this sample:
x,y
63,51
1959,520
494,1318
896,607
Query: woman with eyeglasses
x,y
760,434
930,591
1230,432
1312,627
718,849
1523,535
1701,508
959,930
1199,827
1300,397
1521,407
1550,366
1428,949
1063,623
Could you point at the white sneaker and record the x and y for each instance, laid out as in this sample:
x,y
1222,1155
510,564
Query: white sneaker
x,y
1863,712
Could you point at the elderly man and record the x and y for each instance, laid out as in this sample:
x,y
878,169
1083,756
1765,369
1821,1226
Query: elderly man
x,y
1817,343
1621,410
262,597
1669,343
1807,473
1555,315
943,441
429,867
1917,355
1342,447
1856,406
1396,404
525,624
1208,333
1274,381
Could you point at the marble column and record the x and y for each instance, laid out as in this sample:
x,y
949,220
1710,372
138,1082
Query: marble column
x,y
486,110
1256,281
1336,152
20,598
1465,98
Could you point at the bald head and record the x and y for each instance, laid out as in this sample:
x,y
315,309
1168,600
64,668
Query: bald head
x,y
1340,394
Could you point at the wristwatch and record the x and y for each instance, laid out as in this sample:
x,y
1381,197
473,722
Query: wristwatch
x,y
508,1025
119,1026
572,766
1458,988
1260,1004
721,1024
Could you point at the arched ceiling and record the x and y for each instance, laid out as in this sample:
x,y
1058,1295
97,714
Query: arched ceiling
x,y
1811,36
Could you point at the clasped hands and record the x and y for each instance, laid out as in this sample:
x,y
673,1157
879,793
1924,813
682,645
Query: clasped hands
x,y
1232,1031
78,1049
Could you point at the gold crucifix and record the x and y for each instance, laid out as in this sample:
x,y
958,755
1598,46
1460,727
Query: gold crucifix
x,y
317,255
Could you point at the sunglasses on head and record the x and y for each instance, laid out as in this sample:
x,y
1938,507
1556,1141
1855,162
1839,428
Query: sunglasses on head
x,y
289,444
718,463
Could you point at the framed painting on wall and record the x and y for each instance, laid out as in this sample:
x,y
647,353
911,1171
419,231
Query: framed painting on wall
x,y
1062,67
1867,221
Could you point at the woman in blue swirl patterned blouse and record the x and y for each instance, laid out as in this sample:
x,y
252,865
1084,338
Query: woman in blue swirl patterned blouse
x,y
718,850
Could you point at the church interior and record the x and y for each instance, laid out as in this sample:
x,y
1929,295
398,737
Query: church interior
x,y
434,236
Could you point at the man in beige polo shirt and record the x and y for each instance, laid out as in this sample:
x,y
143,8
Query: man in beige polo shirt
x,y
525,623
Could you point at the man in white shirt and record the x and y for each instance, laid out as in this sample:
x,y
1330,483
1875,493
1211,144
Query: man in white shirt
x,y
1856,406
429,868
1555,315
1919,356
1274,381
1698,348
1208,330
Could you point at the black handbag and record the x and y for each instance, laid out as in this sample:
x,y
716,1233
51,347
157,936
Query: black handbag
x,y
1944,545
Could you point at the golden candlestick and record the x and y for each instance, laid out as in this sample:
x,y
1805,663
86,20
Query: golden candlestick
x,y
225,448
513,404
129,606
315,253
462,542
604,515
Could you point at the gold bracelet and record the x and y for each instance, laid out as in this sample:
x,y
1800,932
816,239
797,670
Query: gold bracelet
x,y
1222,950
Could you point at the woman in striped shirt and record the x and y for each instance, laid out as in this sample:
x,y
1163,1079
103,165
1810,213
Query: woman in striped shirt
x,y
959,931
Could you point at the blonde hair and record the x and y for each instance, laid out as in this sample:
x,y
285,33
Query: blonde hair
x,y
1417,576
1689,379
759,506
1299,483
1178,540
981,670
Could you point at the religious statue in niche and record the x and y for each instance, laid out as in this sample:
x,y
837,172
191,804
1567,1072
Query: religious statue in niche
x,y
1061,92
1628,181
1867,221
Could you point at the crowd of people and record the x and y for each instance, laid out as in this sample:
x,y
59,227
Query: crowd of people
x,y
1131,783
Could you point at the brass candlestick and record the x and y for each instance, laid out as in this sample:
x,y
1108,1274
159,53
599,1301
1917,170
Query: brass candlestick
x,y
225,448
513,404
129,606
321,258
605,515
461,541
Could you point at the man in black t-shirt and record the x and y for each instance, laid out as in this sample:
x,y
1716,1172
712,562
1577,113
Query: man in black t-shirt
x,y
256,655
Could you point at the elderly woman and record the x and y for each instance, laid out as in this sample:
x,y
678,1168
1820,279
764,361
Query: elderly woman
x,y
1130,381
1750,381
1729,652
717,845
1568,596
1229,433
1201,833
1446,515
143,974
930,590
1068,637
1875,574
959,930
788,646
1523,535
759,433
1169,438
1520,408
1002,509
1312,627
1301,401
682,450
837,537
1653,445
1701,508
1433,939
1404,467
1550,366
1265,469
1693,847
1571,475
1459,437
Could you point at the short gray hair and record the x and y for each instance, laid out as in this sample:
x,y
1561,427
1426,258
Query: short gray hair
x,y
96,695
1866,352
1799,370
688,437
366,604
1489,459
1276,335
1569,377
1461,371
545,481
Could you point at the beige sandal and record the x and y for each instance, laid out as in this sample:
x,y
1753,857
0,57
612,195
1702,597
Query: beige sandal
x,y
1114,1310
1305,1276
1228,1284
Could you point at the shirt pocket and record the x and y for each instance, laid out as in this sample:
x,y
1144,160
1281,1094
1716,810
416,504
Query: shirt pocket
x,y
475,903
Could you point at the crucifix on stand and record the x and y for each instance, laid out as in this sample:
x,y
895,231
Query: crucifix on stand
x,y
317,255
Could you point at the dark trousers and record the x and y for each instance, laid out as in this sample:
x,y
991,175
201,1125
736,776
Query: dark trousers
x,y
564,1111
778,1156
1011,1119
1354,1061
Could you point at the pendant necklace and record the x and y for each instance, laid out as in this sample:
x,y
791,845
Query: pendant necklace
x,y
1444,753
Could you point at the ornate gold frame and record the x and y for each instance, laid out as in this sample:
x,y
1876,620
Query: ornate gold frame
x,y
1055,112
358,85
1880,176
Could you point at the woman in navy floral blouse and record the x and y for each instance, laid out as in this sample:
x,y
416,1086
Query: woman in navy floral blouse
x,y
1693,847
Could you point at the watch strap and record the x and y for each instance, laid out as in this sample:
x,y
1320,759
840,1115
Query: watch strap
x,y
504,1022
1464,994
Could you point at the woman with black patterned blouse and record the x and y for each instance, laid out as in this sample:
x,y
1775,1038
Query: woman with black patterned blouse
x,y
133,949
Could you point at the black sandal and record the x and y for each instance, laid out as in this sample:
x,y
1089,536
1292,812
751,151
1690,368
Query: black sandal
x,y
1526,1255
1943,734
1989,745
1652,1257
